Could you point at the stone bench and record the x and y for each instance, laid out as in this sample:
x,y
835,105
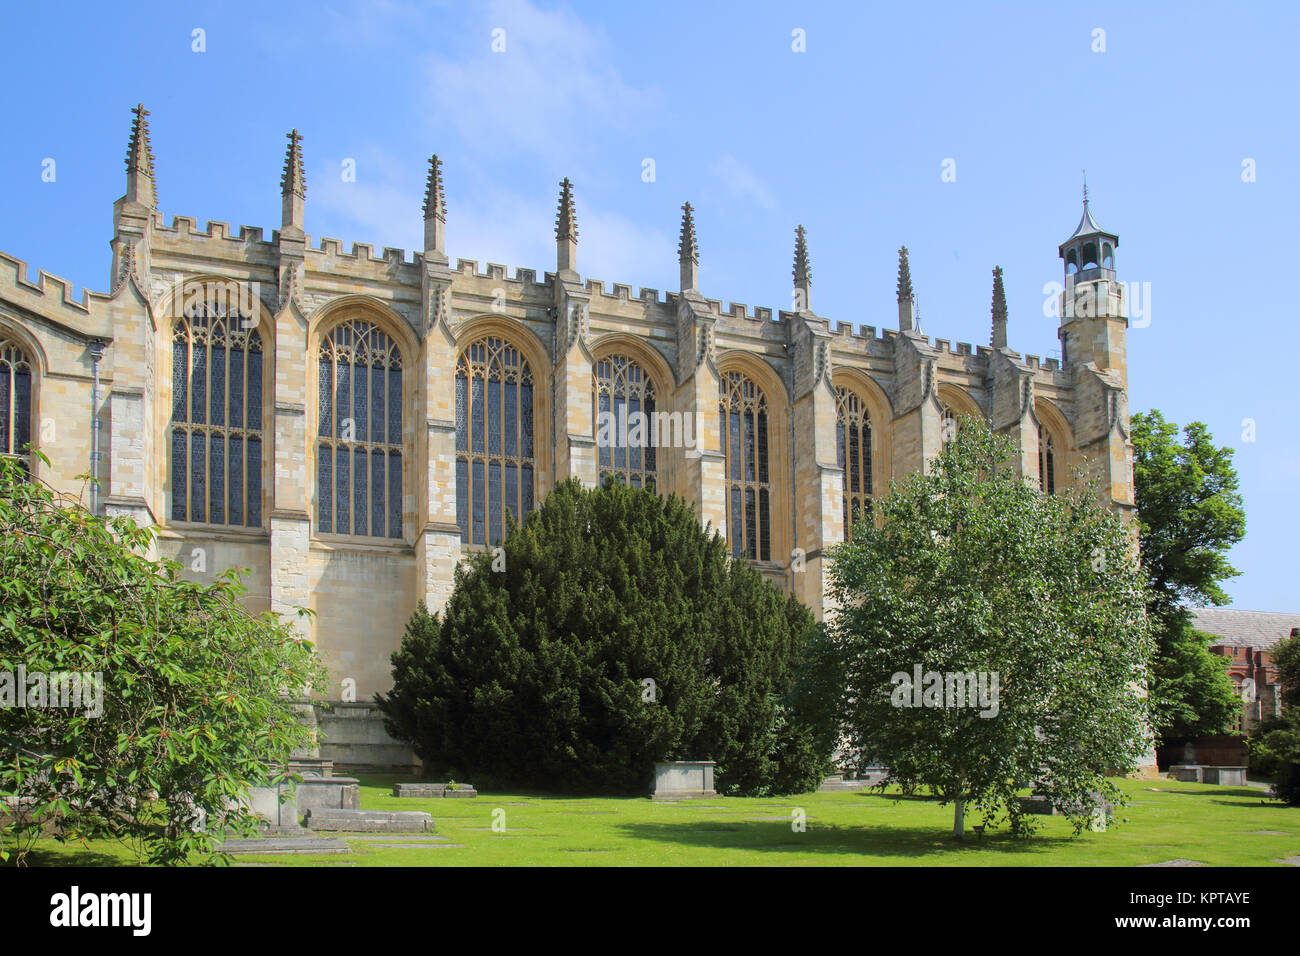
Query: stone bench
x,y
369,821
433,790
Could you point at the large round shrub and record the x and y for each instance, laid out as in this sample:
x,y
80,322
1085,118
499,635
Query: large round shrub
x,y
610,632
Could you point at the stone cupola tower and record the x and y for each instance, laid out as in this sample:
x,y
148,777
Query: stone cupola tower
x,y
1093,321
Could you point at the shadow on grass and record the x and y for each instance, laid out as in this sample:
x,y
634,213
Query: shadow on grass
x,y
45,857
1251,792
831,839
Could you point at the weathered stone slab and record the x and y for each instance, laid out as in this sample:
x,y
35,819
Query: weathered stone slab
x,y
1176,862
1226,776
1038,805
425,790
266,803
683,780
306,845
328,793
369,821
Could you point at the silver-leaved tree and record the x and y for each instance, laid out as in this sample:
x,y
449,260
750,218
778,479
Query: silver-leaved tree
x,y
994,638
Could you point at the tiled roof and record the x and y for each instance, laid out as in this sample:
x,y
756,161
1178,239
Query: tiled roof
x,y
1261,629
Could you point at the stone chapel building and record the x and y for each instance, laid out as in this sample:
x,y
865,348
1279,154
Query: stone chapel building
x,y
347,425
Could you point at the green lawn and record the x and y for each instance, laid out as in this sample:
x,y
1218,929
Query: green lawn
x,y
1219,826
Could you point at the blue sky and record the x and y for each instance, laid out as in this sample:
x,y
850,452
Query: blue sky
x,y
848,138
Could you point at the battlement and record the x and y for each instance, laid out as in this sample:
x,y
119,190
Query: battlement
x,y
496,271
865,333
186,227
1047,365
361,252
739,310
47,285
963,350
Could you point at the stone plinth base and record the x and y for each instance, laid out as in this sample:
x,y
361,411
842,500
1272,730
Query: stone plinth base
x,y
684,780
434,790
369,821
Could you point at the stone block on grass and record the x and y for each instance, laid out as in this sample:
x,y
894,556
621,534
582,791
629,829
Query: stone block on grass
x,y
369,821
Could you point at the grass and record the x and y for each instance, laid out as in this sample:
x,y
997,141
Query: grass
x,y
1165,820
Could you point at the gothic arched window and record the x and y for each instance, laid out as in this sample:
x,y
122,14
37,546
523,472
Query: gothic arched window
x,y
743,409
359,432
948,425
1046,462
625,410
15,402
216,424
853,453
494,439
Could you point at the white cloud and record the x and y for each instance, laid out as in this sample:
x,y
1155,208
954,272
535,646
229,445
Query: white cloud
x,y
741,181
555,74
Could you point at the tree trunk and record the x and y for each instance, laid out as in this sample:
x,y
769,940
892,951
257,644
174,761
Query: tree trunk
x,y
959,818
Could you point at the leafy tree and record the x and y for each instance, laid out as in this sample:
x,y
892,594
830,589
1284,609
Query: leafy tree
x,y
610,632
194,705
1275,743
971,571
1192,692
1190,514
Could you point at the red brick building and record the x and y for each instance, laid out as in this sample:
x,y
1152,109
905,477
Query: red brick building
x,y
1246,638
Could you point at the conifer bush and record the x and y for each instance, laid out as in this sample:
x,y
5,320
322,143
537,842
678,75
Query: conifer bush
x,y
610,632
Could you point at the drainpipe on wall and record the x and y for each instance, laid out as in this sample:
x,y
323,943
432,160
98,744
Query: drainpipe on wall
x,y
96,353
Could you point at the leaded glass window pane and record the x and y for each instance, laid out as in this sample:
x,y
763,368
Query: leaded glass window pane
x,y
494,439
378,487
217,388
236,471
745,442
236,391
180,471
325,487
360,491
359,411
198,475
217,383
342,485
198,383
216,478
254,492
394,494
853,437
